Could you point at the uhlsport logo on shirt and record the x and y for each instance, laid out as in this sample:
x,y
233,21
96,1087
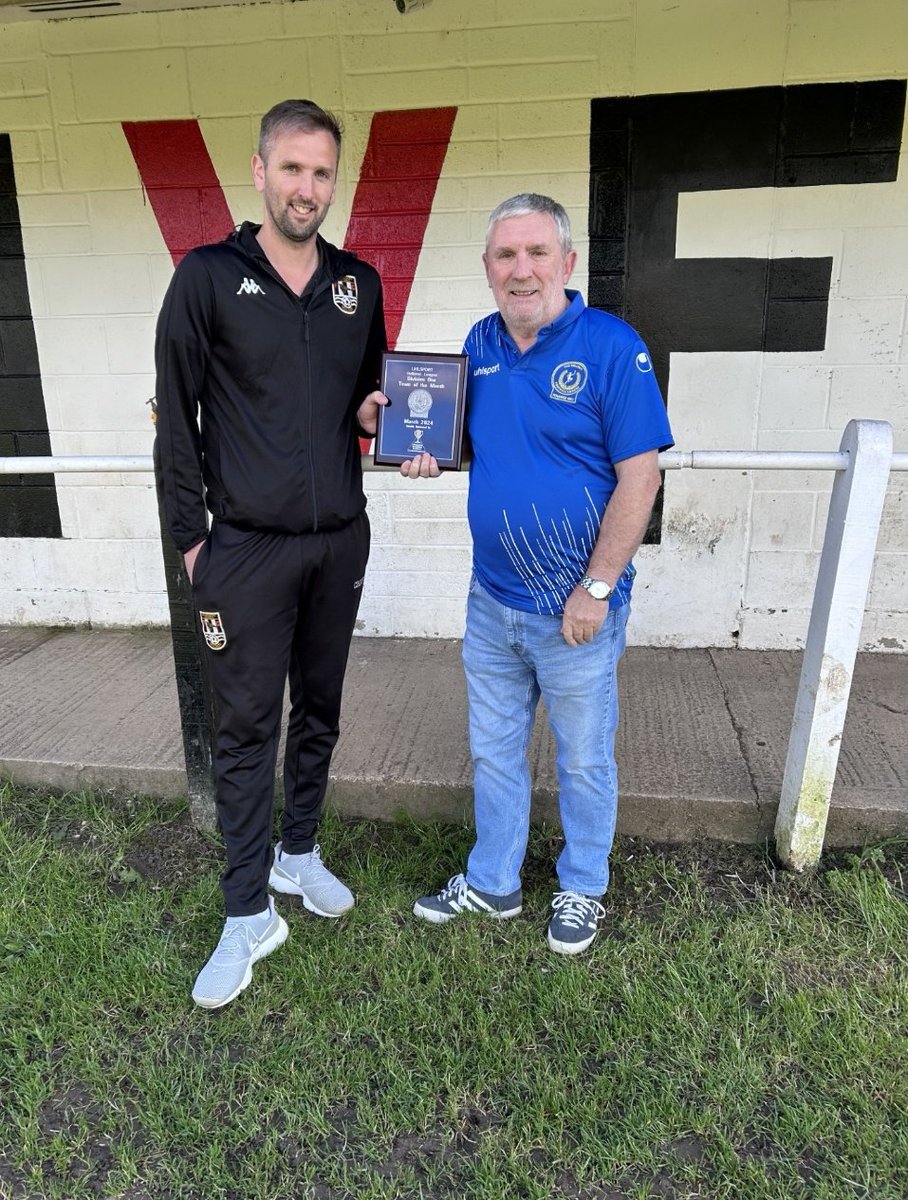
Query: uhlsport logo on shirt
x,y
568,381
343,293
643,363
250,288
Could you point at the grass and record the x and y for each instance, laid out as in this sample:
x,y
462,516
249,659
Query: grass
x,y
735,1031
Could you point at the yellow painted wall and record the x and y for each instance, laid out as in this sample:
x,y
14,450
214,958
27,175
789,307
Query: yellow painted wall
x,y
522,74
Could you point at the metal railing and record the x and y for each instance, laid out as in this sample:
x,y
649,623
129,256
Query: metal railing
x,y
863,464
669,460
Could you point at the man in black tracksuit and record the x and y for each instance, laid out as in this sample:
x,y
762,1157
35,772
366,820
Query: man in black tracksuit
x,y
274,339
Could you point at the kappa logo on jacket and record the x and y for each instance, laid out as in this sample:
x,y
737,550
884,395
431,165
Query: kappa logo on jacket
x,y
343,293
250,288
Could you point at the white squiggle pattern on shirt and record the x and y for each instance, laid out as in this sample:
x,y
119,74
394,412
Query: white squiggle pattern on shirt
x,y
549,568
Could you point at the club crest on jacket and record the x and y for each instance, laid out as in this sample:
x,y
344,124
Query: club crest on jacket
x,y
343,293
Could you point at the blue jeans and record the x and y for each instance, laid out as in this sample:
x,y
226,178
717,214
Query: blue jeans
x,y
510,659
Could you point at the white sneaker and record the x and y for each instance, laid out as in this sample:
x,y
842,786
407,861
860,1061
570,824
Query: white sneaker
x,y
305,875
243,942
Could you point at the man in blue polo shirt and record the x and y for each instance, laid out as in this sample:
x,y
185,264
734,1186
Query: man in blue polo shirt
x,y
566,421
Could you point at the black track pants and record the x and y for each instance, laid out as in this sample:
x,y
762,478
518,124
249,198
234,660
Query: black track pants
x,y
283,605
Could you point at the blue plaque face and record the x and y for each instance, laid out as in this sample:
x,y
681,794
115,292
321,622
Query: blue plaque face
x,y
425,416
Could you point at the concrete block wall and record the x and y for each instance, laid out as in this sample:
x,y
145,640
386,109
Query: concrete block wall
x,y
738,552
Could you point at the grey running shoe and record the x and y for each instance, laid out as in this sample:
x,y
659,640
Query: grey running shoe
x,y
305,875
575,923
244,941
458,897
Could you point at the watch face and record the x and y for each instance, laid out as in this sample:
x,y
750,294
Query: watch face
x,y
598,589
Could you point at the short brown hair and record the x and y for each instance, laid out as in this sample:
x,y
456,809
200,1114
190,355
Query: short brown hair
x,y
304,115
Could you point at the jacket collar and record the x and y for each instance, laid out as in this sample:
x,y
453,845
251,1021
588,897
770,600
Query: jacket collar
x,y
244,237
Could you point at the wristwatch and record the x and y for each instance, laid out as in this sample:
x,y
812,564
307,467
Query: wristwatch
x,y
597,588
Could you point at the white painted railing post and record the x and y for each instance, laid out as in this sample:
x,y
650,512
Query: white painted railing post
x,y
833,635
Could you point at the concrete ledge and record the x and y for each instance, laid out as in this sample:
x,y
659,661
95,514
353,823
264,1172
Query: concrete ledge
x,y
133,780
701,744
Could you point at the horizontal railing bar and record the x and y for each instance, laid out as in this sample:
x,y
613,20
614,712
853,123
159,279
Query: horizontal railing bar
x,y
669,460
750,460
70,464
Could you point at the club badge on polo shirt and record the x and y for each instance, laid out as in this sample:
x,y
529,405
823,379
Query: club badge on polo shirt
x,y
213,629
568,381
343,293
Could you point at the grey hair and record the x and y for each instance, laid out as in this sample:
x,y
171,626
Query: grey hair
x,y
297,115
525,205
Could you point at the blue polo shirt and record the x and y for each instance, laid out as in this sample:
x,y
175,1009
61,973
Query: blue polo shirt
x,y
547,427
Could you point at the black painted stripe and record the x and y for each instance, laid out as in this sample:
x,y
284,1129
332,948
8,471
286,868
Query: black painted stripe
x,y
645,150
28,503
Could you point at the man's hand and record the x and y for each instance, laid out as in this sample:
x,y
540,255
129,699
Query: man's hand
x,y
367,413
189,559
583,617
423,466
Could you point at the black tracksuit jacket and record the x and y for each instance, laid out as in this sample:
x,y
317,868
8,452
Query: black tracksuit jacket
x,y
277,379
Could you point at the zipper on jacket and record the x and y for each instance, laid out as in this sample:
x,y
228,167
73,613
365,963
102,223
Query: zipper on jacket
x,y
331,266
309,419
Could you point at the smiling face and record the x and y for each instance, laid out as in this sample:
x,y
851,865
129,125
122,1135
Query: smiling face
x,y
527,271
297,182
